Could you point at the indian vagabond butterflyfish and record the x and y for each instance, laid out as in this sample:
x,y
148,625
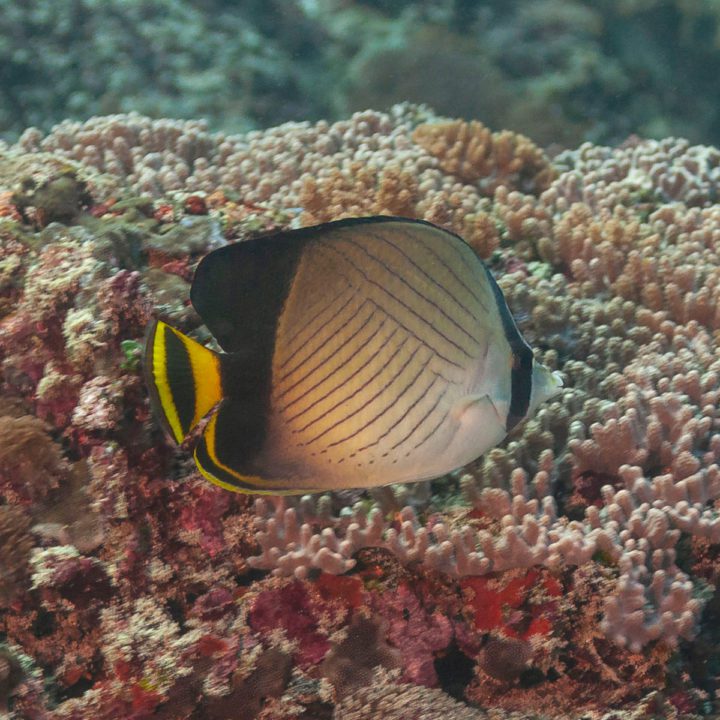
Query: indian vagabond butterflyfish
x,y
355,353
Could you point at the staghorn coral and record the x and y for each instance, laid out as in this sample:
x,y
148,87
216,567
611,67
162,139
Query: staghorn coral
x,y
581,551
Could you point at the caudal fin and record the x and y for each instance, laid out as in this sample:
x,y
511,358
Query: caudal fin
x,y
183,377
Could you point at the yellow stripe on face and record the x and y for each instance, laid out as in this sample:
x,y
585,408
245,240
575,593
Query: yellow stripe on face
x,y
162,384
206,376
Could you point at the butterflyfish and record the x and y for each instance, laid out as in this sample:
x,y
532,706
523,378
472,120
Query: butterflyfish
x,y
355,353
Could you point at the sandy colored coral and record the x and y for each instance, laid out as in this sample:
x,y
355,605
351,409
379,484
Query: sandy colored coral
x,y
359,191
31,464
474,154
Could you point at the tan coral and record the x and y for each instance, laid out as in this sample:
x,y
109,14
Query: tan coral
x,y
526,222
31,464
481,233
359,191
474,154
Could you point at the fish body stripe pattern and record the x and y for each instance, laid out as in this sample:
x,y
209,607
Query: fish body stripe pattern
x,y
374,376
182,393
218,472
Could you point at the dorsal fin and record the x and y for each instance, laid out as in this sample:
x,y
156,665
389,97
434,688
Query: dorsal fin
x,y
238,290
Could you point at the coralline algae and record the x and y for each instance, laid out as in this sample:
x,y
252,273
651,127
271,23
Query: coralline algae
x,y
570,571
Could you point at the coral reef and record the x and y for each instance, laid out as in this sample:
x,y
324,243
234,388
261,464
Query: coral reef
x,y
16,543
570,572
559,71
164,57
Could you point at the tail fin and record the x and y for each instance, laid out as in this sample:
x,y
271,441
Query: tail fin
x,y
183,378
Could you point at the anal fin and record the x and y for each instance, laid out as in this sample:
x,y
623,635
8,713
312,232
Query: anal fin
x,y
230,451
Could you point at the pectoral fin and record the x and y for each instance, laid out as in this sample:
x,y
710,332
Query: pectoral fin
x,y
476,408
480,427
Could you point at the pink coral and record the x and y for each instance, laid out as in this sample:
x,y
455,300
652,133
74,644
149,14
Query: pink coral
x,y
417,632
289,608
202,514
587,537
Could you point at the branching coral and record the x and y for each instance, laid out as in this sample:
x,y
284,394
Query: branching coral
x,y
589,535
474,154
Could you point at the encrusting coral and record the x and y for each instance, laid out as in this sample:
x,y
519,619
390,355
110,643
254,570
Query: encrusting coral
x,y
383,699
15,544
582,551
31,464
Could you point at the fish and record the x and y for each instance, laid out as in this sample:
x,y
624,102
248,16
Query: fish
x,y
355,353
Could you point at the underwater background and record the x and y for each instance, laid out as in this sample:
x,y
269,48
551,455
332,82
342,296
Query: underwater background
x,y
571,572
